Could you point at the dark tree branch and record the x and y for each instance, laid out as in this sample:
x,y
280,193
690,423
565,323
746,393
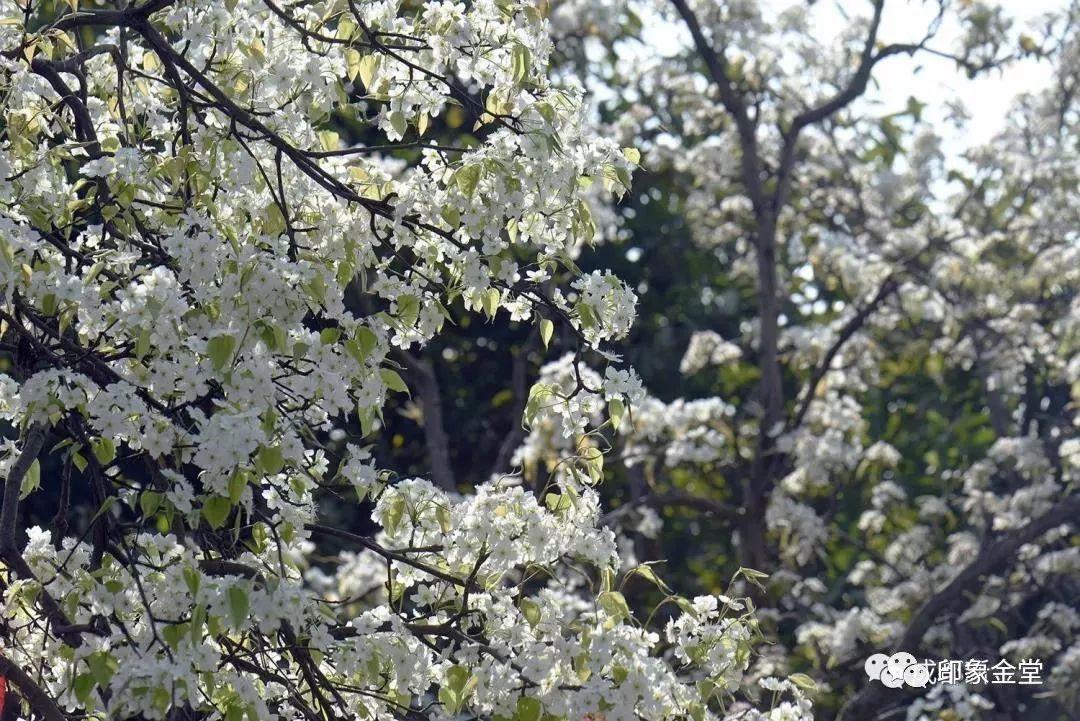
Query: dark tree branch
x,y
40,702
734,103
760,478
9,518
850,329
426,384
993,556
519,382
9,514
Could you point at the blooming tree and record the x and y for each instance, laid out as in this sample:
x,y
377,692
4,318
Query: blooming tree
x,y
878,404
224,226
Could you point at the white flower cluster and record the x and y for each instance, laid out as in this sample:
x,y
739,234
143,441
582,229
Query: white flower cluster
x,y
179,239
707,348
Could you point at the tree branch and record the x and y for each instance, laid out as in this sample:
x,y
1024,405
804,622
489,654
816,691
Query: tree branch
x,y
992,557
752,526
426,384
734,103
849,329
9,520
42,704
519,383
9,514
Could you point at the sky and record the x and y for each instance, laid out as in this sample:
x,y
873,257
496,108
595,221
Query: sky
x,y
986,98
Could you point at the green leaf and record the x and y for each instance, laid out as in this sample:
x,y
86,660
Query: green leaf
x,y
220,349
646,571
393,381
366,340
528,709
451,700
442,515
173,633
366,68
149,502
31,481
215,510
803,681
161,698
547,328
83,686
235,712
105,506
685,606
270,460
593,459
394,513
408,309
269,422
614,605
467,178
399,122
103,666
616,409
316,288
520,60
142,344
104,450
538,395
352,63
192,579
751,575
237,598
558,502
581,667
607,579
490,301
588,318
451,215
237,483
366,416
457,677
530,610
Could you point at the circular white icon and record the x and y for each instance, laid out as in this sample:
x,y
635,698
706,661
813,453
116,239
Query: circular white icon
x,y
917,675
899,662
891,681
875,665
896,670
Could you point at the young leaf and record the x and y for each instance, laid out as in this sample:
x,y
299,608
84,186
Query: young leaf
x,y
220,349
237,598
104,450
614,605
216,510
393,381
31,481
547,328
616,408
528,709
270,460
520,60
